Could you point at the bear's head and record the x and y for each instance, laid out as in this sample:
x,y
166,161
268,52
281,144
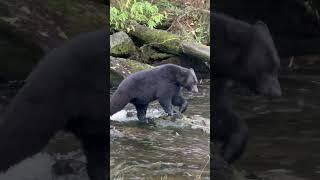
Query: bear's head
x,y
187,78
260,64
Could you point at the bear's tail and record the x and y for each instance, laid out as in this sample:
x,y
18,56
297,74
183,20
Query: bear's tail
x,y
26,129
118,101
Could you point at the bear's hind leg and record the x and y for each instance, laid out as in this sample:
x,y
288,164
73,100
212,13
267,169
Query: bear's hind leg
x,y
141,112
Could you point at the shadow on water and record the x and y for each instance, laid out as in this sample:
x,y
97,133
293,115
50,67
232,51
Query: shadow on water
x,y
284,133
168,150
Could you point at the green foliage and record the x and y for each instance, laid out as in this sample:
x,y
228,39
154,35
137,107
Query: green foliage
x,y
201,33
171,8
187,21
141,11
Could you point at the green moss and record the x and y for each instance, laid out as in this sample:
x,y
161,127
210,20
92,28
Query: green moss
x,y
160,56
123,49
121,68
115,79
136,66
166,41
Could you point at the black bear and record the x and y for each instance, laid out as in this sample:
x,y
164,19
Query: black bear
x,y
67,90
163,83
244,53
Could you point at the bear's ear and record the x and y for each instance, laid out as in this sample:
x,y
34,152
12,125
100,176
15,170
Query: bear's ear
x,y
181,75
261,24
184,71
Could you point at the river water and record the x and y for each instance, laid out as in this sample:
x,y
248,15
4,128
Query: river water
x,y
284,139
168,150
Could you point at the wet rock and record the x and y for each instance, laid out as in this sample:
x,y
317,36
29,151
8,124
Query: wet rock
x,y
176,116
130,114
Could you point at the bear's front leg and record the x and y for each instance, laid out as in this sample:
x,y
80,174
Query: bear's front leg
x,y
166,104
180,102
229,129
95,149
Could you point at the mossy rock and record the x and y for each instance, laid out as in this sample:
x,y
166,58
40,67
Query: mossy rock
x,y
115,78
121,45
120,68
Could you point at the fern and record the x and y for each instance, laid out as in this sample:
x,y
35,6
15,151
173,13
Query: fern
x,y
140,11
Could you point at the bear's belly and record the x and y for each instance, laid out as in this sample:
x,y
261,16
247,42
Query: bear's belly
x,y
143,99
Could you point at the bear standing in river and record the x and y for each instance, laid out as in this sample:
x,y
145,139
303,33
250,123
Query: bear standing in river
x,y
244,53
163,83
67,90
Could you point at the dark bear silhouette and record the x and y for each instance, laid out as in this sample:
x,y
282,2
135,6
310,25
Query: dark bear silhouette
x,y
244,53
67,90
163,83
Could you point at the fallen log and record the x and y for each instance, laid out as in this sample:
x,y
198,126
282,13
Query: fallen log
x,y
170,43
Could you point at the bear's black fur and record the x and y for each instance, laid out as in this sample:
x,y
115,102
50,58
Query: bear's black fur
x,y
244,53
67,90
163,83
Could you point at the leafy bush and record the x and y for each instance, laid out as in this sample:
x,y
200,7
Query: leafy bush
x,y
141,11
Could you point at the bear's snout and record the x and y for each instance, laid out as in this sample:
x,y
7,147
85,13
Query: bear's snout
x,y
270,87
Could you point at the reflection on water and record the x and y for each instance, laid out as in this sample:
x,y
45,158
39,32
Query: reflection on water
x,y
285,136
172,150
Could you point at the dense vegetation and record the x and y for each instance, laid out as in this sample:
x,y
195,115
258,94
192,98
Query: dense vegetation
x,y
189,19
